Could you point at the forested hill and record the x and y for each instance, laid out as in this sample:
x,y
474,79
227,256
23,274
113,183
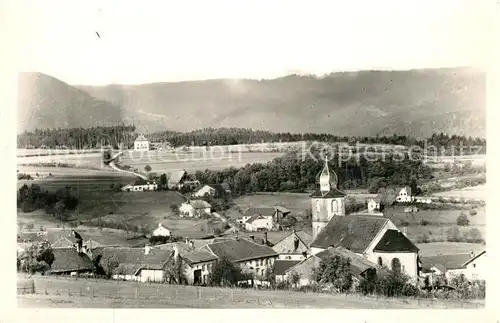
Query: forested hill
x,y
124,136
368,103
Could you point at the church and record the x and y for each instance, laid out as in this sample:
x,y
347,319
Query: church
x,y
372,237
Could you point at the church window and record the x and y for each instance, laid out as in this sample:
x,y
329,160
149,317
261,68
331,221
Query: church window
x,y
379,261
318,206
396,265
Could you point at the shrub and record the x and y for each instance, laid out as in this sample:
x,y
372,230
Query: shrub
x,y
453,235
474,236
472,212
334,270
424,222
404,223
462,220
225,273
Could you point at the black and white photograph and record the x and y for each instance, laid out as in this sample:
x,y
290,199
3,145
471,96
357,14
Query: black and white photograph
x,y
252,154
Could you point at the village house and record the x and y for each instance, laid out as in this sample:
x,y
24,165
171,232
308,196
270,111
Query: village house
x,y
196,264
403,194
472,266
264,218
67,261
359,266
176,180
141,144
162,231
140,186
373,205
294,246
213,190
252,258
194,208
374,238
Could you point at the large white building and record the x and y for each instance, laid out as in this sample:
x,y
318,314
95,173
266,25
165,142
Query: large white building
x,y
141,144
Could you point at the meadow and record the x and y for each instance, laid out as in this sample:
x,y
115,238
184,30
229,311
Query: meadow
x,y
53,291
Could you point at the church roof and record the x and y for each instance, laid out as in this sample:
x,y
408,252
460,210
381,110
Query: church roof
x,y
353,232
331,193
395,241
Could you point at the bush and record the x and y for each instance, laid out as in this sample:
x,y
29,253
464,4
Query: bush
x,y
462,220
424,222
334,270
424,238
474,236
453,235
472,212
404,223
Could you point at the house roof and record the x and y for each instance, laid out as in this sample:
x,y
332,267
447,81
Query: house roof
x,y
141,138
332,193
305,237
264,211
134,259
354,232
219,188
199,204
181,246
456,261
176,177
395,241
408,189
198,256
255,217
240,250
375,199
63,242
474,258
358,264
200,243
67,259
281,266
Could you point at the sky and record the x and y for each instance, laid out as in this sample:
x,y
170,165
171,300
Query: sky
x,y
171,41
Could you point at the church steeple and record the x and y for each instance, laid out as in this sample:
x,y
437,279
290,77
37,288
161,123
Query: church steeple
x,y
327,179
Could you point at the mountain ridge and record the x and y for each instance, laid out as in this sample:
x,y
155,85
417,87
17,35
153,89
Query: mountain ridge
x,y
364,103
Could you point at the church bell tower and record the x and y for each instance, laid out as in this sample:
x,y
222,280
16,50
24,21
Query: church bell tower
x,y
327,201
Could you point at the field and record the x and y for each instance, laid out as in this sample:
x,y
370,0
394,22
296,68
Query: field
x,y
476,192
448,248
162,161
72,292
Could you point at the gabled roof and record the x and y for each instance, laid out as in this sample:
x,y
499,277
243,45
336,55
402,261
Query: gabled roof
x,y
395,241
182,247
264,211
353,232
198,256
67,259
333,193
408,189
134,259
255,217
358,264
456,261
141,138
375,199
303,236
176,177
63,242
281,266
219,188
199,204
240,250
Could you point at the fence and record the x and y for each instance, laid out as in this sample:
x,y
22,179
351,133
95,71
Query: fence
x,y
26,286
192,296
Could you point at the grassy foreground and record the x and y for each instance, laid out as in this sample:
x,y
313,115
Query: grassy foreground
x,y
92,293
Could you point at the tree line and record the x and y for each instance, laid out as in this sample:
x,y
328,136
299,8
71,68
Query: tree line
x,y
95,137
295,173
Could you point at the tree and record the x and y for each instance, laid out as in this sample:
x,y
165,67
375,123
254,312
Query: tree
x,y
175,209
289,221
147,168
224,273
334,270
414,187
387,196
109,265
462,220
175,271
60,212
474,236
38,257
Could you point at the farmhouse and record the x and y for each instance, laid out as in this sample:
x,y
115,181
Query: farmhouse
x,y
295,246
67,261
162,231
251,257
194,208
176,180
403,194
471,265
259,223
214,190
264,218
359,266
141,144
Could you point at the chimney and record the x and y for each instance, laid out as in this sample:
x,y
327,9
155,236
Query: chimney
x,y
147,249
265,238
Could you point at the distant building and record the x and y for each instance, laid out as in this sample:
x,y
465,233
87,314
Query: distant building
x,y
140,187
141,144
403,194
162,231
263,218
194,208
177,179
67,261
213,190
196,264
259,222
